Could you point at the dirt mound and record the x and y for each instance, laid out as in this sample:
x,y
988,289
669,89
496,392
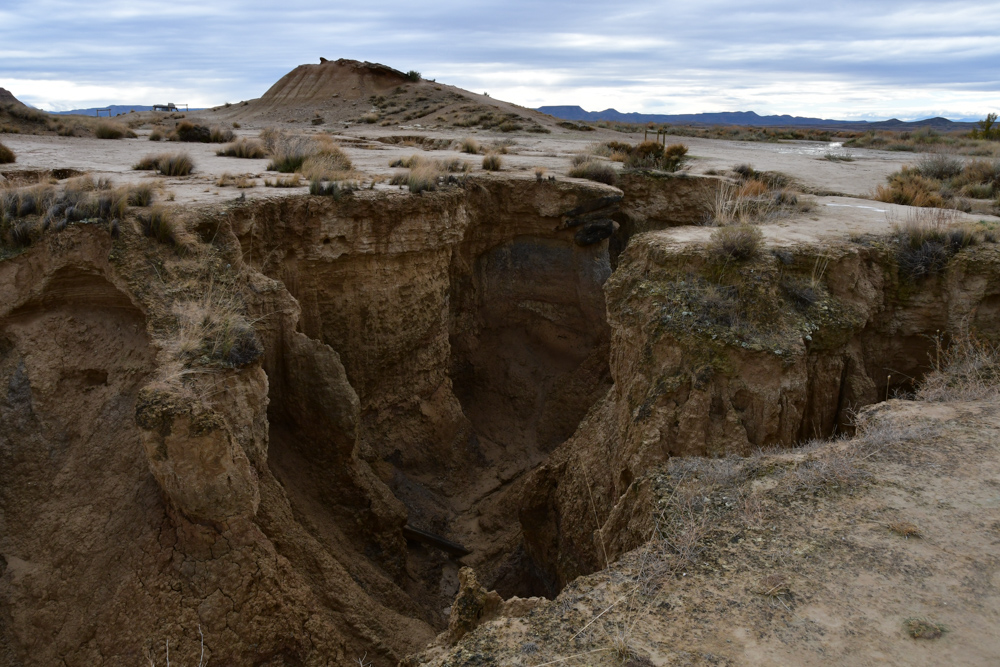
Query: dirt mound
x,y
7,97
350,91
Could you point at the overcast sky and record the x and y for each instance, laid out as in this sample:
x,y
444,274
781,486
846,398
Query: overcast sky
x,y
848,59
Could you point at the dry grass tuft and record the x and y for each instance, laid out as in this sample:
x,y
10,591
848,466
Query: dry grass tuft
x,y
492,162
242,181
737,243
921,628
215,332
251,149
904,529
291,181
470,146
966,370
112,130
6,155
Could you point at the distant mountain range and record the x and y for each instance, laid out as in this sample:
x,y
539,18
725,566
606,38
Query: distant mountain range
x,y
749,118
115,110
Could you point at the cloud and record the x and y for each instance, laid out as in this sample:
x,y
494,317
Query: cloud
x,y
890,58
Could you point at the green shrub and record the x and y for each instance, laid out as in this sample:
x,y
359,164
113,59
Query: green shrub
x,y
413,75
988,129
252,149
492,162
6,155
737,243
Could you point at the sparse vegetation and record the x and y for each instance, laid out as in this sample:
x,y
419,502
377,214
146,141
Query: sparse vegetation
x,y
168,164
737,243
988,129
470,146
243,181
926,241
112,130
252,149
492,162
186,131
941,181
593,169
291,181
414,76
904,529
6,155
921,628
159,224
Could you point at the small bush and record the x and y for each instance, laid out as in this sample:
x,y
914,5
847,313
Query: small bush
x,y
595,170
6,155
221,135
492,162
940,167
329,189
413,75
540,173
112,130
910,188
251,149
653,155
156,135
369,118
737,243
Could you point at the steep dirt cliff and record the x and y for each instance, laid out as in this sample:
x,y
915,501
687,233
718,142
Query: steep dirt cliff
x,y
713,357
228,435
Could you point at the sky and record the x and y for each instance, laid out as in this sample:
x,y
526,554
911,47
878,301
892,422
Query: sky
x,y
847,59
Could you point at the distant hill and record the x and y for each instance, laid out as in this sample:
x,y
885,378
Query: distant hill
x,y
748,118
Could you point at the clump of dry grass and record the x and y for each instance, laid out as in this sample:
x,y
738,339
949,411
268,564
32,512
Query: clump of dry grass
x,y
168,164
921,628
6,155
112,130
215,332
242,181
540,173
159,224
469,145
492,162
189,132
736,243
904,529
926,240
968,369
252,149
290,181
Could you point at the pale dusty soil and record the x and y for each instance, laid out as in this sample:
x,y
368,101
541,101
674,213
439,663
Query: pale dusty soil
x,y
832,216
850,583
